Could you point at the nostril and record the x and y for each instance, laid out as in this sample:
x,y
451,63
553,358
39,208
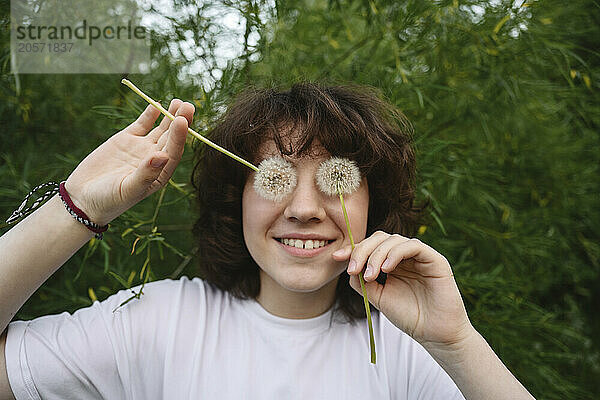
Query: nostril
x,y
303,219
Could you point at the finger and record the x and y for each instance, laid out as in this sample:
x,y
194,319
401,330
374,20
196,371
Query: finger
x,y
363,250
144,122
379,256
185,110
162,140
188,110
175,144
373,289
175,139
166,121
429,263
342,254
144,179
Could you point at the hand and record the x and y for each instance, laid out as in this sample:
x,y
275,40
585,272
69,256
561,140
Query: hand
x,y
130,165
420,296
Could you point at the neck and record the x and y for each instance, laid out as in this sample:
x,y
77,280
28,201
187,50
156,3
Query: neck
x,y
295,305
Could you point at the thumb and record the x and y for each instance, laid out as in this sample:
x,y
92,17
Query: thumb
x,y
373,289
144,179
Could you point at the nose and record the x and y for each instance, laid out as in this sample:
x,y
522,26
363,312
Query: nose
x,y
305,204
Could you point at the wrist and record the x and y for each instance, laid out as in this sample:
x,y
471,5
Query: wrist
x,y
476,369
64,221
80,215
86,207
457,349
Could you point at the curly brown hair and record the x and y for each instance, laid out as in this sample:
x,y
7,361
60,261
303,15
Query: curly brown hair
x,y
348,121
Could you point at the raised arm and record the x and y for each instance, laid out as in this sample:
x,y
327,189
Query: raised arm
x,y
129,166
421,298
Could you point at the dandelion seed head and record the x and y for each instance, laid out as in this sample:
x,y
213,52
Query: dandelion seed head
x,y
275,178
338,173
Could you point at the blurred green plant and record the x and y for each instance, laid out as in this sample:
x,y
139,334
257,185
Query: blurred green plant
x,y
504,100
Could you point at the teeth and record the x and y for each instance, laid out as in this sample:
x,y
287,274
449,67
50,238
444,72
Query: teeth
x,y
304,244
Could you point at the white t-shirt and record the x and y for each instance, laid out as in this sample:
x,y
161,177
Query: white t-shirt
x,y
185,339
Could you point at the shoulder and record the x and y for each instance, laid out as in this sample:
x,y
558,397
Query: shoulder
x,y
412,369
401,347
183,284
174,293
398,348
153,301
390,334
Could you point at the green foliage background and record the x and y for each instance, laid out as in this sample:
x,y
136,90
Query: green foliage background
x,y
504,100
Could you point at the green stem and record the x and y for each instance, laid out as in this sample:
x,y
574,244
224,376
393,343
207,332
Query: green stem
x,y
190,131
177,186
362,284
160,200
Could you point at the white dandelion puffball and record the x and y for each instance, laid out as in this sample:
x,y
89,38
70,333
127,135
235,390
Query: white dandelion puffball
x,y
338,176
275,178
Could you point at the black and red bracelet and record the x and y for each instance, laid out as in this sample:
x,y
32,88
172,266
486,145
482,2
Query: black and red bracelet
x,y
77,213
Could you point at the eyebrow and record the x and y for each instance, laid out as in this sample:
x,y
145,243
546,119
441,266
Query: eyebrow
x,y
325,155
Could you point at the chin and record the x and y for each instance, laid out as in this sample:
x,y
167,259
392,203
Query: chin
x,y
304,282
303,287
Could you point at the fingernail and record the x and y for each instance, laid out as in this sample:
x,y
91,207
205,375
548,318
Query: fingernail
x,y
369,271
386,263
352,266
335,253
157,162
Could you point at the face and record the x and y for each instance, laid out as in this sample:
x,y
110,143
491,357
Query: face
x,y
306,213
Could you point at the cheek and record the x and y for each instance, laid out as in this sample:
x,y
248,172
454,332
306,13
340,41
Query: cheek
x,y
358,224
357,207
249,211
257,212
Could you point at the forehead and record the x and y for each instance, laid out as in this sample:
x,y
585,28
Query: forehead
x,y
269,149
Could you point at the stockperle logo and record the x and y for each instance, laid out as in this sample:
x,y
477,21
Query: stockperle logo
x,y
78,36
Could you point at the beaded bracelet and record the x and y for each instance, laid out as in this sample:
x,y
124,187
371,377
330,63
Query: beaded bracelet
x,y
75,212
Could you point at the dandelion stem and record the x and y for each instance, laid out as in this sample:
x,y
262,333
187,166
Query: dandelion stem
x,y
362,283
190,131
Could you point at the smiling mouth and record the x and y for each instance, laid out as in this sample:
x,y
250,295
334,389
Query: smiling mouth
x,y
304,244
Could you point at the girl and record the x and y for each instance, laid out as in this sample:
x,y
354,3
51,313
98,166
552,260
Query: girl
x,y
278,312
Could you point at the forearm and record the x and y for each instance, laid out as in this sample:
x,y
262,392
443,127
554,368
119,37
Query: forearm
x,y
33,250
477,370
